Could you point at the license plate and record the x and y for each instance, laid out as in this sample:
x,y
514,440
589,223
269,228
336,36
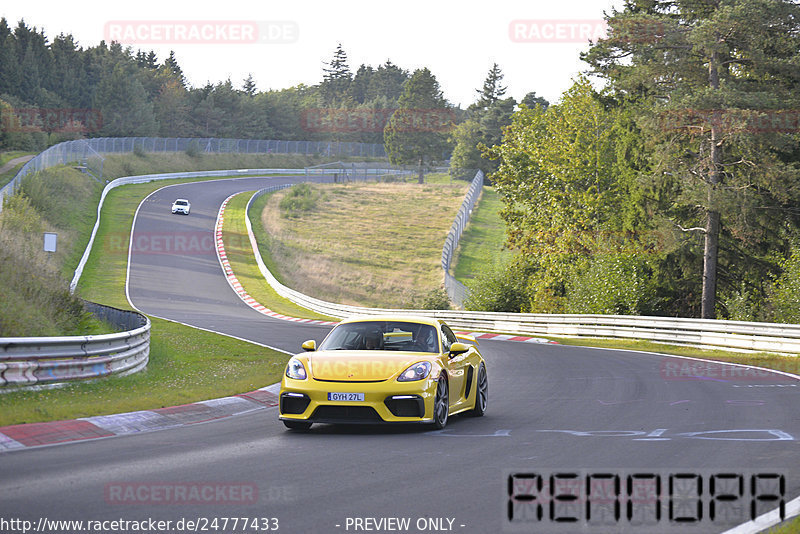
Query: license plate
x,y
346,397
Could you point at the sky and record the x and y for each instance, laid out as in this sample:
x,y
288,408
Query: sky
x,y
536,43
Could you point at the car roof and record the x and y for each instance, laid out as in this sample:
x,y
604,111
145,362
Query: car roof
x,y
399,318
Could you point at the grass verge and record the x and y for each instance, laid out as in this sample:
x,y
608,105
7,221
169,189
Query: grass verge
x,y
483,238
240,256
364,244
790,527
186,364
778,362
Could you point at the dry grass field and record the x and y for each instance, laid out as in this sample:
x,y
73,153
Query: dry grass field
x,y
373,244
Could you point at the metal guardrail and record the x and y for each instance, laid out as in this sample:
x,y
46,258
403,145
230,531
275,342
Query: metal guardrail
x,y
88,152
144,178
768,337
37,361
455,289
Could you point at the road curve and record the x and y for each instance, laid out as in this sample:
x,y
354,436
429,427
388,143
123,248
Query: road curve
x,y
551,407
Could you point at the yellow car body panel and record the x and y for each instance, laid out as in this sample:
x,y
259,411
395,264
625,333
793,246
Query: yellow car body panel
x,y
349,385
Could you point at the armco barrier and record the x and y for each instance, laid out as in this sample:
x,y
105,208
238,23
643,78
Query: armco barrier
x,y
144,178
455,289
89,152
36,361
768,337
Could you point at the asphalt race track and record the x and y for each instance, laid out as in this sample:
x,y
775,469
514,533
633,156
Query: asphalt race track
x,y
552,409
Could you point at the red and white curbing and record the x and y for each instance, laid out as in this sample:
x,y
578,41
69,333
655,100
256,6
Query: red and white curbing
x,y
253,303
54,432
237,286
104,426
508,337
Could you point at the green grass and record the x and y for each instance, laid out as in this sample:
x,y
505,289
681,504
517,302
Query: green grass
x,y
779,362
186,365
5,157
240,255
790,527
483,238
365,244
116,165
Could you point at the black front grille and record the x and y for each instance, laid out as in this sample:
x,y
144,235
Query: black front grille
x,y
291,404
351,414
413,407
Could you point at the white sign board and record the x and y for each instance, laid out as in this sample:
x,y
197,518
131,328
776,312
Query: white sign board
x,y
50,241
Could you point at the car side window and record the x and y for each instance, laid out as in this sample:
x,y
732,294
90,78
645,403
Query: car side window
x,y
448,338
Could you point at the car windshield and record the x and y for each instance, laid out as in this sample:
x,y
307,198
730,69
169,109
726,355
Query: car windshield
x,y
181,202
382,335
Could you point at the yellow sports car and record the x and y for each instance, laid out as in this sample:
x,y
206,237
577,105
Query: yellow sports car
x,y
387,369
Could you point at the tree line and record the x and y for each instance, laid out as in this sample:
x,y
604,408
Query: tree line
x,y
111,90
673,190
54,91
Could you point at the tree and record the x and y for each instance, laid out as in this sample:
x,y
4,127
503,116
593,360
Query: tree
x,y
710,73
531,100
124,104
484,128
417,131
466,157
558,180
172,107
491,91
171,66
9,64
387,82
336,79
249,87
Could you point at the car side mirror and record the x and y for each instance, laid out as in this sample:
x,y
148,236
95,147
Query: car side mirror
x,y
458,348
309,345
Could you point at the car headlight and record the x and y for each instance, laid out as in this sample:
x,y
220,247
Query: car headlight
x,y
418,371
296,370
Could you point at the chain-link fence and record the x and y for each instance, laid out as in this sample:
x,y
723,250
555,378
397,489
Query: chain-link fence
x,y
87,154
455,289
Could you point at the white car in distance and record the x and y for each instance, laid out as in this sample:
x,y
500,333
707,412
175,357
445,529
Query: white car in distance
x,y
181,205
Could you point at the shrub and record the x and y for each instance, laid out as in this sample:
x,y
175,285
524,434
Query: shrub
x,y
298,199
436,299
193,150
499,286
785,292
613,284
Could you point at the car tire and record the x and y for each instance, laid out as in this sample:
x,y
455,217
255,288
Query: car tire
x,y
441,404
297,425
481,393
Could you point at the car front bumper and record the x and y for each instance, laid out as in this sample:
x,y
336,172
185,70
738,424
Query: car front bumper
x,y
389,401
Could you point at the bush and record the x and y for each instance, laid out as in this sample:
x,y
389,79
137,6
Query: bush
x,y
499,286
613,284
785,292
19,215
300,198
436,299
193,150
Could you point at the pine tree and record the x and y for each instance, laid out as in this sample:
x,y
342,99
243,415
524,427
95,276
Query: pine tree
x,y
172,67
707,76
492,90
336,79
249,87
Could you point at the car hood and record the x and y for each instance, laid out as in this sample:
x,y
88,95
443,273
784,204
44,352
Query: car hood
x,y
361,365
